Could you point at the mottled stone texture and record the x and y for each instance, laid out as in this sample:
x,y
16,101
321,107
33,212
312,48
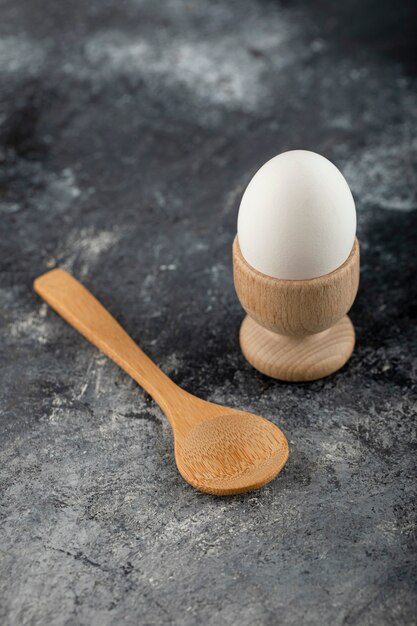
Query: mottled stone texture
x,y
128,132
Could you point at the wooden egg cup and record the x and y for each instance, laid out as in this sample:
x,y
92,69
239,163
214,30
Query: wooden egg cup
x,y
297,330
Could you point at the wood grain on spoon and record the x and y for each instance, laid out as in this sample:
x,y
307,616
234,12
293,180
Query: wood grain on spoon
x,y
218,450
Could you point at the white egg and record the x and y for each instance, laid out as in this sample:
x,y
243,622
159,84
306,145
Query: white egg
x,y
297,218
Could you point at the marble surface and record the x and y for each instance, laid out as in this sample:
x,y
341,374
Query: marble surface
x,y
128,132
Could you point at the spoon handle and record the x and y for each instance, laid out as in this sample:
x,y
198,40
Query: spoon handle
x,y
80,308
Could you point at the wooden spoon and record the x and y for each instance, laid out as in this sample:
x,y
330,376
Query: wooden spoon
x,y
217,450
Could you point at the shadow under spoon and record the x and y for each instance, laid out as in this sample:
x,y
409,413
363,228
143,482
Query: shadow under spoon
x,y
218,450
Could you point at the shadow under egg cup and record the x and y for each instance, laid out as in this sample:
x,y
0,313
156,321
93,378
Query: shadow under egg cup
x,y
296,330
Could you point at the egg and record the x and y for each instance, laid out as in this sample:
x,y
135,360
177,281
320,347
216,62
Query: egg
x,y
297,217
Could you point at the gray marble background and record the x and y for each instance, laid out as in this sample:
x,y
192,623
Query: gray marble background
x,y
128,132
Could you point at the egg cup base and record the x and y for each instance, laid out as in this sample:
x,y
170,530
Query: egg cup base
x,y
297,359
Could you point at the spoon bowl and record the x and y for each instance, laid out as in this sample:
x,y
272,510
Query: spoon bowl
x,y
231,453
217,450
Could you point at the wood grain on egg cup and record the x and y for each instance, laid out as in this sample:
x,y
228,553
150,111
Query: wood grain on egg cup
x,y
297,330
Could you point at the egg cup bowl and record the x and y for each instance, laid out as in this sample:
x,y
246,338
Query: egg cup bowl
x,y
296,330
